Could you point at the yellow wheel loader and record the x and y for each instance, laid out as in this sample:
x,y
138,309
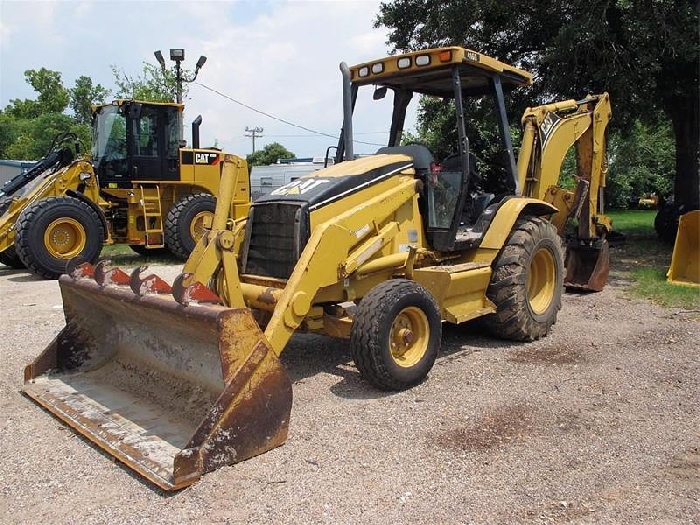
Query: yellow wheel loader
x,y
138,187
178,380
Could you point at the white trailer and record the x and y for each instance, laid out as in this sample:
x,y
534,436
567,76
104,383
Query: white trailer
x,y
264,179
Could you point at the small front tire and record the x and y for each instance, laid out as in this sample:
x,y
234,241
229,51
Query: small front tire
x,y
396,334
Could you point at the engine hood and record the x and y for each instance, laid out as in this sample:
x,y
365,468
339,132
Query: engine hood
x,y
327,185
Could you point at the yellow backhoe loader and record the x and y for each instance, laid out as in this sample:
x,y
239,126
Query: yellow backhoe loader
x,y
139,187
176,381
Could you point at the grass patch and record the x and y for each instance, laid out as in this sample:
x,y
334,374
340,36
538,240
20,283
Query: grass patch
x,y
651,283
633,222
122,255
644,260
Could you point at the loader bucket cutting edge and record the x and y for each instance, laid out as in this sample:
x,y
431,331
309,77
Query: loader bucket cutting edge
x,y
587,267
171,391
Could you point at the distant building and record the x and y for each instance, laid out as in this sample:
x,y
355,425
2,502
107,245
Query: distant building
x,y
12,168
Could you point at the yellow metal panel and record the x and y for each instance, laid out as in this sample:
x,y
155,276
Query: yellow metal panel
x,y
685,262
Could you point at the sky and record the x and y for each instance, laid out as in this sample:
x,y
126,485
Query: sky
x,y
280,57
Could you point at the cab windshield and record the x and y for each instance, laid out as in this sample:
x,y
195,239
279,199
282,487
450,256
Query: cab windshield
x,y
108,135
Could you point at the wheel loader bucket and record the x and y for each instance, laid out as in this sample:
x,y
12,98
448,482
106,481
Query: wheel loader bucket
x,y
685,261
587,265
172,391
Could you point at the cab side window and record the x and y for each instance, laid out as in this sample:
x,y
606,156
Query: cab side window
x,y
146,134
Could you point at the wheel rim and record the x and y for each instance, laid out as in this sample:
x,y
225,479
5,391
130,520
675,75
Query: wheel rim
x,y
198,223
65,238
541,281
408,339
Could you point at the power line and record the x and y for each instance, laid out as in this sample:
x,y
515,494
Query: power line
x,y
268,115
254,133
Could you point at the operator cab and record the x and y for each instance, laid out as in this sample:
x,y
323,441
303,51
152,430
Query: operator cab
x,y
455,202
135,140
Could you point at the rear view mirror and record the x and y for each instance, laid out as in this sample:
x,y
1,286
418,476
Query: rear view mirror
x,y
379,93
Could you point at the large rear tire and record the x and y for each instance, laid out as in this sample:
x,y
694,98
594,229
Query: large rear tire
x,y
526,284
55,230
184,225
10,258
395,335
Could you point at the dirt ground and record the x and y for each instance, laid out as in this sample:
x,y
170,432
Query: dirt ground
x,y
597,423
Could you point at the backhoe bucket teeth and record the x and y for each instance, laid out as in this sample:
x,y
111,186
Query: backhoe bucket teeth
x,y
587,266
685,261
171,391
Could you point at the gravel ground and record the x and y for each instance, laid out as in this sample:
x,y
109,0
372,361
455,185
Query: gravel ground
x,y
596,423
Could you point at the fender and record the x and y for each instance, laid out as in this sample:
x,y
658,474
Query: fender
x,y
100,213
506,216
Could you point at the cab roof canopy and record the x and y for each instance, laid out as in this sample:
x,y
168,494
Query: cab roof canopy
x,y
429,72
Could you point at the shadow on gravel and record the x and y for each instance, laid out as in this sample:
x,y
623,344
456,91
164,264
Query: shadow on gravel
x,y
20,276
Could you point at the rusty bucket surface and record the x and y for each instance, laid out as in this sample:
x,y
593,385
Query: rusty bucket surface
x,y
587,265
171,391
685,261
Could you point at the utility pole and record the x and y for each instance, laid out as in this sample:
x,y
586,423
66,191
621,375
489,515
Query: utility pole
x,y
178,56
253,133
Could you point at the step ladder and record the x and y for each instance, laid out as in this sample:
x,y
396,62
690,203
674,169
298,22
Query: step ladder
x,y
152,216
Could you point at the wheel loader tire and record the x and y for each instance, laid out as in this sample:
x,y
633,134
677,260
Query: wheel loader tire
x,y
526,284
185,223
55,230
10,258
396,334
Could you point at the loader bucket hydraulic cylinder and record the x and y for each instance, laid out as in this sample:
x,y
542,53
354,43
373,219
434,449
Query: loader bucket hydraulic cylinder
x,y
172,391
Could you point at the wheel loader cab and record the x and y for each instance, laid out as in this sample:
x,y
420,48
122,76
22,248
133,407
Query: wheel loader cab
x,y
456,208
135,141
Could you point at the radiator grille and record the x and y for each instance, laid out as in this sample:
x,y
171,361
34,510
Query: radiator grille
x,y
274,241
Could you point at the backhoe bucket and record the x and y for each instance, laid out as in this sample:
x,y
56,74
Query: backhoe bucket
x,y
685,262
587,266
172,391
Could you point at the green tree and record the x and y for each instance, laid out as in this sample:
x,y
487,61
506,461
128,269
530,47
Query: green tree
x,y
52,98
28,127
641,162
270,154
154,84
644,52
83,95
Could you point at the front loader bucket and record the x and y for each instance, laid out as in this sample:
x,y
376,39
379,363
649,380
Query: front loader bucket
x,y
172,391
685,261
587,265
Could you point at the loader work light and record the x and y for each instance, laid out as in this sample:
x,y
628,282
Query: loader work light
x,y
177,54
377,68
422,60
404,62
363,72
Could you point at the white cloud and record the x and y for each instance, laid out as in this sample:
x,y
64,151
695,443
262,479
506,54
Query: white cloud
x,y
280,57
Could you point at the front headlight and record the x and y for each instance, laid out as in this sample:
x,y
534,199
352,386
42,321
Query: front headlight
x,y
84,176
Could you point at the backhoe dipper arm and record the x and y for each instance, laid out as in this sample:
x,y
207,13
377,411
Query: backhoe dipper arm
x,y
548,133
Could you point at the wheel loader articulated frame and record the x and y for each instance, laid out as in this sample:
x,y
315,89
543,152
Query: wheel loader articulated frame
x,y
138,187
178,380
